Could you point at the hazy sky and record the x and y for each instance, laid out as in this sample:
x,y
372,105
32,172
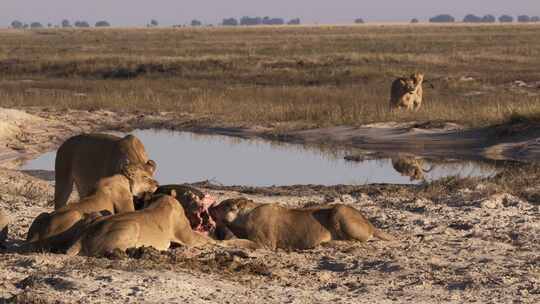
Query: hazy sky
x,y
167,12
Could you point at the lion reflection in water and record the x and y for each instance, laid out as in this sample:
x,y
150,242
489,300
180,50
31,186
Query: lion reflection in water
x,y
410,166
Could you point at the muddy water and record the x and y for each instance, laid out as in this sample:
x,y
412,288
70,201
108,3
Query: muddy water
x,y
188,157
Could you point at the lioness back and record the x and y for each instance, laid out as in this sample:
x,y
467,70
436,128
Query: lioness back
x,y
84,159
281,227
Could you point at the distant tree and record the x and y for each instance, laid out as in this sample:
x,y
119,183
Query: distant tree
x,y
444,18
535,19
154,23
49,25
506,19
66,23
81,24
16,24
102,23
523,18
414,20
26,26
489,19
272,21
36,25
295,21
230,22
196,22
246,20
472,18
358,20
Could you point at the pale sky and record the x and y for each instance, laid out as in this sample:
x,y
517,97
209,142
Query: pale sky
x,y
168,12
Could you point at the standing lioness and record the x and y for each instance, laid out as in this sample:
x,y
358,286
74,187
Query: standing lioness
x,y
407,92
274,226
86,158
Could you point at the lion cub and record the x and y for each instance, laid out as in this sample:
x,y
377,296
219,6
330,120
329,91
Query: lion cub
x,y
56,230
274,226
407,92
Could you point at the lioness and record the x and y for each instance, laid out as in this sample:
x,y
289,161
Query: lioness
x,y
86,158
274,226
407,92
56,230
159,224
4,222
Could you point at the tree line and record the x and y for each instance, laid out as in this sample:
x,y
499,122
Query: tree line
x,y
16,24
471,18
246,20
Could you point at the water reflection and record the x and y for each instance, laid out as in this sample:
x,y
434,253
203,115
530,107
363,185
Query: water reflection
x,y
189,157
411,166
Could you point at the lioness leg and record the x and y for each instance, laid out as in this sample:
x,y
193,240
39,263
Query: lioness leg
x,y
36,227
417,105
352,224
192,238
63,182
119,236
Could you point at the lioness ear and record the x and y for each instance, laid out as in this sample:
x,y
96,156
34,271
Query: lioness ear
x,y
151,166
173,193
129,137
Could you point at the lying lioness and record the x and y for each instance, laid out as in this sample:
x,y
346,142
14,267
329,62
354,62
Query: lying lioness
x,y
158,225
85,159
274,226
56,230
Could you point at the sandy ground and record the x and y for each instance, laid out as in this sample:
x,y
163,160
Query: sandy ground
x,y
464,246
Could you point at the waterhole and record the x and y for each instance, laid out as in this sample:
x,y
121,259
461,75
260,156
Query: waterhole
x,y
188,157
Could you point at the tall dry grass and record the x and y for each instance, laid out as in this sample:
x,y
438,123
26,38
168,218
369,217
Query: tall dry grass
x,y
319,75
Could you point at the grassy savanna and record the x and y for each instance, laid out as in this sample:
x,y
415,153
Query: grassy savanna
x,y
317,75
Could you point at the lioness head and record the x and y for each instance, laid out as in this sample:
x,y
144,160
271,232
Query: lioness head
x,y
229,210
408,84
150,199
140,178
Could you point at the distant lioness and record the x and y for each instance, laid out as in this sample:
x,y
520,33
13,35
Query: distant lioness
x,y
86,158
56,230
158,225
4,222
407,92
274,226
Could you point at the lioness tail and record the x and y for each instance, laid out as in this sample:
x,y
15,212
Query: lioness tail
x,y
383,235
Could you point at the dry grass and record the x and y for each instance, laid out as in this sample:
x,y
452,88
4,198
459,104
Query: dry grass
x,y
318,75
